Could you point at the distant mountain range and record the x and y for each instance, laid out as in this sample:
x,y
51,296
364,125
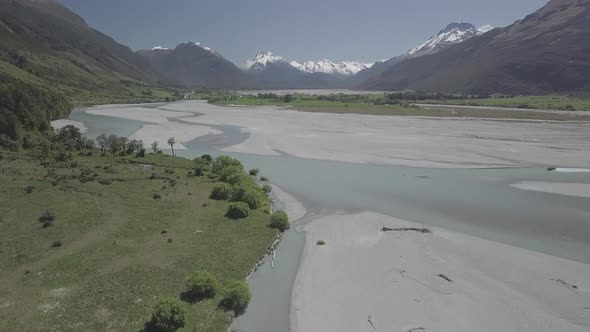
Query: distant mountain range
x,y
196,66
47,45
454,33
273,71
547,51
325,66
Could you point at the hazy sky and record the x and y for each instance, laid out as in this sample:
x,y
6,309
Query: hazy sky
x,y
357,30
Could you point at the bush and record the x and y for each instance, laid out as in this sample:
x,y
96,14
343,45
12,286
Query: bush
x,y
106,182
237,178
280,220
569,107
29,189
201,285
47,218
56,244
157,196
222,162
236,297
226,173
321,243
169,315
254,171
220,191
250,194
263,178
207,158
267,188
237,210
199,171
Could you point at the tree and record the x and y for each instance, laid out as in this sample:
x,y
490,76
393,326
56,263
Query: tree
x,y
254,171
169,315
155,147
280,220
220,191
201,285
237,210
171,142
113,142
70,137
236,297
288,98
103,143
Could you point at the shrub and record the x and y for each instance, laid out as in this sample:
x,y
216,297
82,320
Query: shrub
x,y
236,178
321,243
228,172
207,158
237,210
254,171
47,218
199,171
169,315
29,189
106,182
201,285
157,196
569,107
56,244
263,178
247,193
267,188
220,191
223,162
280,220
236,297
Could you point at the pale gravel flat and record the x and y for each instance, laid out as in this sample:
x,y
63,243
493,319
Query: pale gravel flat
x,y
389,140
561,188
392,279
58,124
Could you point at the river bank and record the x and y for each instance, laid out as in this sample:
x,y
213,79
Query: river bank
x,y
364,279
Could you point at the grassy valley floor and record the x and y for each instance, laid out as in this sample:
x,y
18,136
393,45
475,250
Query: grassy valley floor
x,y
371,105
114,249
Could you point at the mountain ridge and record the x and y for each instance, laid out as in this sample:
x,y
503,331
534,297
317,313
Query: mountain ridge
x,y
545,52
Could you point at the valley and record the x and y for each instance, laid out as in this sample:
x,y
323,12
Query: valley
x,y
319,166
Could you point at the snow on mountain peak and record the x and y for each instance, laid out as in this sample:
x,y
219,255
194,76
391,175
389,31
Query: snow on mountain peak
x,y
454,33
326,66
159,48
484,28
262,59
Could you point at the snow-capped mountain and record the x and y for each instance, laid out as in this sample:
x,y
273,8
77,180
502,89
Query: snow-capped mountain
x,y
454,33
262,60
325,66
162,48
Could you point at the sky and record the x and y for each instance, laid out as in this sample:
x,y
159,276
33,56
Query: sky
x,y
339,30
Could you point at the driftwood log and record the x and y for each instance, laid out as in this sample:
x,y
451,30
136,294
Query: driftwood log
x,y
406,229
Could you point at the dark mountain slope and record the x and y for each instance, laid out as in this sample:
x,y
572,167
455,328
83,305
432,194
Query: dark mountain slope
x,y
548,51
47,41
191,65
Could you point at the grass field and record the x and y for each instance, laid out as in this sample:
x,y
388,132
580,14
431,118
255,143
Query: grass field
x,y
549,102
114,250
313,104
